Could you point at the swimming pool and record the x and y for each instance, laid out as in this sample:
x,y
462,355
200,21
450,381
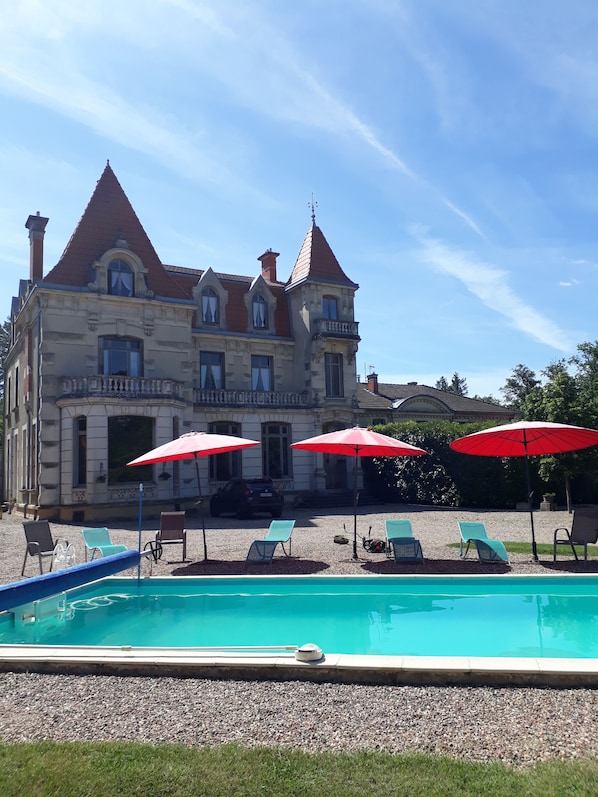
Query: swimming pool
x,y
522,622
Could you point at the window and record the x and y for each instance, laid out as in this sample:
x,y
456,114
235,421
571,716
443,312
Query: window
x,y
330,308
129,436
334,375
211,370
120,357
120,278
209,306
225,466
276,460
261,372
260,313
80,460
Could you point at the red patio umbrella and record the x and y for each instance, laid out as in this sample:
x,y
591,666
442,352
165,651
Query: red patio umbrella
x,y
193,445
525,439
358,442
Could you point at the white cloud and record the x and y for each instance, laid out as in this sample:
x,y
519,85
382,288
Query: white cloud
x,y
490,285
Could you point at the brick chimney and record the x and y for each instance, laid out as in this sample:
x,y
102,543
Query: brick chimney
x,y
37,229
372,383
268,261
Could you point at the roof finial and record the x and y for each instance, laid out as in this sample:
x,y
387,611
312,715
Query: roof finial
x,y
313,205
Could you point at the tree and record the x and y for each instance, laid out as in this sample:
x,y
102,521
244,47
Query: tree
x,y
518,387
458,385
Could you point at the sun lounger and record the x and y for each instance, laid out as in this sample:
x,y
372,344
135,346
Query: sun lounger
x,y
488,550
263,550
400,541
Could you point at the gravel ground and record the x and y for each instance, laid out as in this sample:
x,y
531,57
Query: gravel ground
x,y
518,725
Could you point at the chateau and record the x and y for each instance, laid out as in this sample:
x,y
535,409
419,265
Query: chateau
x,y
113,352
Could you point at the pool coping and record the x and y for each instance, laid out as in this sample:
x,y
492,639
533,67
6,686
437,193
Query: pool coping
x,y
283,664
342,668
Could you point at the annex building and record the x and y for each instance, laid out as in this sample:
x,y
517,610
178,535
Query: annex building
x,y
113,352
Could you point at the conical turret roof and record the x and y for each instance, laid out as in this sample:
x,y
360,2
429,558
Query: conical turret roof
x,y
316,261
109,217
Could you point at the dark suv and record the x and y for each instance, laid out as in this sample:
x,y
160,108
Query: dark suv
x,y
243,497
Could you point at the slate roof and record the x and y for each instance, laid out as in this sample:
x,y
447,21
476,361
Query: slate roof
x,y
462,405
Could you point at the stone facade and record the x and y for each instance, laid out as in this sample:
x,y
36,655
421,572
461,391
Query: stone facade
x,y
113,353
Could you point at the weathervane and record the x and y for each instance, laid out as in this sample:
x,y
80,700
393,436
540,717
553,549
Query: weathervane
x,y
313,205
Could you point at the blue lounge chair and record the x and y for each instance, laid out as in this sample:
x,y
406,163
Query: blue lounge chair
x,y
488,550
263,550
400,540
99,540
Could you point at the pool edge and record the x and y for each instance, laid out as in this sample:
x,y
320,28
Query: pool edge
x,y
339,668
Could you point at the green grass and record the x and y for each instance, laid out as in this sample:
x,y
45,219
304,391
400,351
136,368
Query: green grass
x,y
543,548
126,768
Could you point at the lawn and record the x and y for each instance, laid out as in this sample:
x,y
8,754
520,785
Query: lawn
x,y
47,769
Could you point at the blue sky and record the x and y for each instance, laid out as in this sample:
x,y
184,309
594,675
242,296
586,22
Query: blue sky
x,y
450,147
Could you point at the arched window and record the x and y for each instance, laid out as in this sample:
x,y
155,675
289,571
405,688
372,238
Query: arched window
x,y
210,313
260,312
120,278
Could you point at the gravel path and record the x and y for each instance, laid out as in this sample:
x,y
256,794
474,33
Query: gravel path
x,y
517,725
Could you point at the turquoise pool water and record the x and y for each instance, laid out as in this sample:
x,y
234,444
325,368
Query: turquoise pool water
x,y
424,616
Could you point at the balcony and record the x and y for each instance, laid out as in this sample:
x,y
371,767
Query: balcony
x,y
249,398
122,387
325,327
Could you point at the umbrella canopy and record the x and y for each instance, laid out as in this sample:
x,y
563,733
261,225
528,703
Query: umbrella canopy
x,y
358,442
193,445
525,439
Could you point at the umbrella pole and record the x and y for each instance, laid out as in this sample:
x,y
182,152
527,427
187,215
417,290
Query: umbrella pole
x,y
355,500
200,504
139,530
530,498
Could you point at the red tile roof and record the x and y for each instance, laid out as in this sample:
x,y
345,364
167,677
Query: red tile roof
x,y
317,261
109,216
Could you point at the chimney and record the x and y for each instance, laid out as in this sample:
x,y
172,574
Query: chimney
x,y
268,260
37,229
372,383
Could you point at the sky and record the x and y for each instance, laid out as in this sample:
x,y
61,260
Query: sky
x,y
449,148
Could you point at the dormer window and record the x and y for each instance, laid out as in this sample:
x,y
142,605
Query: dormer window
x,y
120,279
209,306
330,308
260,312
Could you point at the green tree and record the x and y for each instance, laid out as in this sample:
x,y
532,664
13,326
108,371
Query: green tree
x,y
518,387
458,385
442,384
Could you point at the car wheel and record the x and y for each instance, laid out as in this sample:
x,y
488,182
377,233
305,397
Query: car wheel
x,y
214,511
243,512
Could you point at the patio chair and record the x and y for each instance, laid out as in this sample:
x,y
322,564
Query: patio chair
x,y
488,550
98,541
263,550
172,530
39,542
400,541
584,531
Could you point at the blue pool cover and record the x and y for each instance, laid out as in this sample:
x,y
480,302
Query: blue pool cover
x,y
33,589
